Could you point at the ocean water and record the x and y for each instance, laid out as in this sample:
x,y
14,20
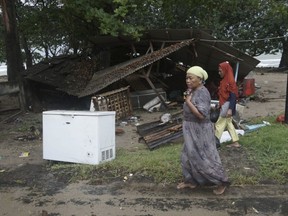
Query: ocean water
x,y
266,61
269,60
3,70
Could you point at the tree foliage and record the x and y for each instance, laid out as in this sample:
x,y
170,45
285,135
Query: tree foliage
x,y
250,26
66,26
41,24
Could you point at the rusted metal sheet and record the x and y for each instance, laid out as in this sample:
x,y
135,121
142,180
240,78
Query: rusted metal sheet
x,y
164,136
207,51
158,133
82,76
110,75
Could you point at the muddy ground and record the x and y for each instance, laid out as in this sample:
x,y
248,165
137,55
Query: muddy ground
x,y
29,187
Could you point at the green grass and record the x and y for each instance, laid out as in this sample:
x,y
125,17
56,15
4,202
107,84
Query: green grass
x,y
163,165
266,147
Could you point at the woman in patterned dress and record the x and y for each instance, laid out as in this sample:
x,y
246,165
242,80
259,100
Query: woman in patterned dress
x,y
200,160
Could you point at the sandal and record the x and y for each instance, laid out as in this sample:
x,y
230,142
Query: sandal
x,y
183,185
219,190
235,145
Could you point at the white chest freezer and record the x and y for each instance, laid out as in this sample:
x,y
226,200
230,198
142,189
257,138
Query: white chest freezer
x,y
79,136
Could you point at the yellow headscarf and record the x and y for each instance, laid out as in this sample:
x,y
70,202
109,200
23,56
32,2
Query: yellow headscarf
x,y
198,71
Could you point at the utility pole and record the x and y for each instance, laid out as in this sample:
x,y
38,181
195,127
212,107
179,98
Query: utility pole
x,y
286,103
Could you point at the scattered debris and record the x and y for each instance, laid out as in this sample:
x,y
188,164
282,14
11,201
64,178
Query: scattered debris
x,y
24,154
157,133
11,117
140,98
28,137
255,210
249,128
44,213
35,131
166,117
280,118
153,105
123,123
119,131
125,178
226,136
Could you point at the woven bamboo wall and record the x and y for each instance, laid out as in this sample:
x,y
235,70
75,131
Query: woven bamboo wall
x,y
117,100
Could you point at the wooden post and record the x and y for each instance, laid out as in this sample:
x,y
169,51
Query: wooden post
x,y
146,76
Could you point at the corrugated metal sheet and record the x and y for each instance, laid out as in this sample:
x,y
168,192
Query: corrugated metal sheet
x,y
208,52
103,78
157,133
81,76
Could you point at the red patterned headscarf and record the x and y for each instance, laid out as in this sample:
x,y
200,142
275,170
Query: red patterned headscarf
x,y
227,84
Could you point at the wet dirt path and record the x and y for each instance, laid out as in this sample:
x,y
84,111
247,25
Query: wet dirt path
x,y
131,199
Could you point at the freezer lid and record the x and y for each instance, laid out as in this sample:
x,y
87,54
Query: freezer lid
x,y
79,113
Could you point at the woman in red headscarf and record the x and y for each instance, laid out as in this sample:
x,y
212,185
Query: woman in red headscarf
x,y
228,94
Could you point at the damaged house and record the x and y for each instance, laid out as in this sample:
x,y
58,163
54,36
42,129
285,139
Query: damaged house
x,y
122,68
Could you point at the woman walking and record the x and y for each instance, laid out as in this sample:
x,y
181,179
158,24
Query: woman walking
x,y
200,160
228,93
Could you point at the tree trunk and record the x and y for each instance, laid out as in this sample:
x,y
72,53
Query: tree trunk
x,y
13,51
284,57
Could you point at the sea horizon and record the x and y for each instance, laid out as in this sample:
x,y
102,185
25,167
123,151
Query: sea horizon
x,y
269,60
3,70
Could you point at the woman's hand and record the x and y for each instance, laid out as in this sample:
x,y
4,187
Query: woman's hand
x,y
229,113
192,107
188,98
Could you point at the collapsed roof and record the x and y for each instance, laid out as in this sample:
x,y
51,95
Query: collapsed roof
x,y
83,76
